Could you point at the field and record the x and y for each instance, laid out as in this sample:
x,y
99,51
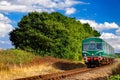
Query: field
x,y
17,64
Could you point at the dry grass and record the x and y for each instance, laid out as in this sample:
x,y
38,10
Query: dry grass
x,y
18,64
115,71
46,67
20,72
116,68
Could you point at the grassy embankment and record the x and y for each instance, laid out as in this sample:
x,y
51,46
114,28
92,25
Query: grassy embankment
x,y
116,72
17,64
14,57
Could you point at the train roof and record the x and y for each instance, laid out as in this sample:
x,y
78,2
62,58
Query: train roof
x,y
97,39
93,38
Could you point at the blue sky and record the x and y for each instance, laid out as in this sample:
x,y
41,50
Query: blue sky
x,y
102,15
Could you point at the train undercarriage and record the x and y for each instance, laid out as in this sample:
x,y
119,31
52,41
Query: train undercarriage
x,y
97,61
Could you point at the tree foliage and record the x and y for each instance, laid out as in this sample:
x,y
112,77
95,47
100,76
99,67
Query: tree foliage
x,y
51,34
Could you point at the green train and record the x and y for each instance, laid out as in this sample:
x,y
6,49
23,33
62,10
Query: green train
x,y
97,52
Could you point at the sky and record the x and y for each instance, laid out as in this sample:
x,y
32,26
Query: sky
x,y
102,15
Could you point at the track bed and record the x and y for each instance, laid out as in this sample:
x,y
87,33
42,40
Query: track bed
x,y
75,74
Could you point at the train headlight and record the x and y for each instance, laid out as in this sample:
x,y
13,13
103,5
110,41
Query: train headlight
x,y
95,58
88,59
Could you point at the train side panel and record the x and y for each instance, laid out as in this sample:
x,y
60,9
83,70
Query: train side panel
x,y
108,50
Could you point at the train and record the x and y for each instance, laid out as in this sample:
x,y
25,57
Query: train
x,y
97,52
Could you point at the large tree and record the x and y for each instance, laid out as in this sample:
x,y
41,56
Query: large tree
x,y
51,34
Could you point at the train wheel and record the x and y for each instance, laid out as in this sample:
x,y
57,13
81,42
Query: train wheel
x,y
97,64
91,65
88,65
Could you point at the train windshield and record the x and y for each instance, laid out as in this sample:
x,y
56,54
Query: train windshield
x,y
85,46
92,46
99,46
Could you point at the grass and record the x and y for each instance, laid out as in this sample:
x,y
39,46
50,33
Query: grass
x,y
116,69
14,56
21,72
18,63
115,72
116,77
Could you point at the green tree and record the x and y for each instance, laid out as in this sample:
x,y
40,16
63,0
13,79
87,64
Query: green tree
x,y
51,34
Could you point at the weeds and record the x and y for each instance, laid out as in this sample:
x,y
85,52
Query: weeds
x,y
117,77
116,69
17,64
4,67
115,72
15,57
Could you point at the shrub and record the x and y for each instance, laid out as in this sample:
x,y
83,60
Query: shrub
x,y
115,73
117,77
116,70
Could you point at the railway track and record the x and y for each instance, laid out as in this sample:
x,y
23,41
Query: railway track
x,y
57,76
61,75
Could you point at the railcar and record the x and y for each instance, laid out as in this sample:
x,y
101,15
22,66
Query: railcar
x,y
97,52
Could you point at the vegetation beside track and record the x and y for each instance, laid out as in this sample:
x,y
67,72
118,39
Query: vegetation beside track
x,y
11,57
115,72
16,63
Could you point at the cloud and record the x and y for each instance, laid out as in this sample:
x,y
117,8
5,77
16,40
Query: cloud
x,y
100,26
5,26
38,5
70,11
112,39
4,42
4,19
118,31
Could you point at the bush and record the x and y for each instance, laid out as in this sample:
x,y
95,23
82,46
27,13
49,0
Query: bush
x,y
116,70
115,73
117,77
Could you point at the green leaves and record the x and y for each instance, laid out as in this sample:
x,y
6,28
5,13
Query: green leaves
x,y
51,34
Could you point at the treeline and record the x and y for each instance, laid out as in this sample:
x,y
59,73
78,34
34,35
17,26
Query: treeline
x,y
117,55
51,34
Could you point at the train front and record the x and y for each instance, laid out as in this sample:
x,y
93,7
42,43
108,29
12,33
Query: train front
x,y
92,50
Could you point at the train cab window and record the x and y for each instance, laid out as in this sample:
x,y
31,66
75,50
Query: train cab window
x,y
92,46
99,46
85,46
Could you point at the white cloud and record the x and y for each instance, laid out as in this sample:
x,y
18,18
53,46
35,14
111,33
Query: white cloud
x,y
118,31
4,19
112,39
70,10
38,5
100,26
5,26
5,42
